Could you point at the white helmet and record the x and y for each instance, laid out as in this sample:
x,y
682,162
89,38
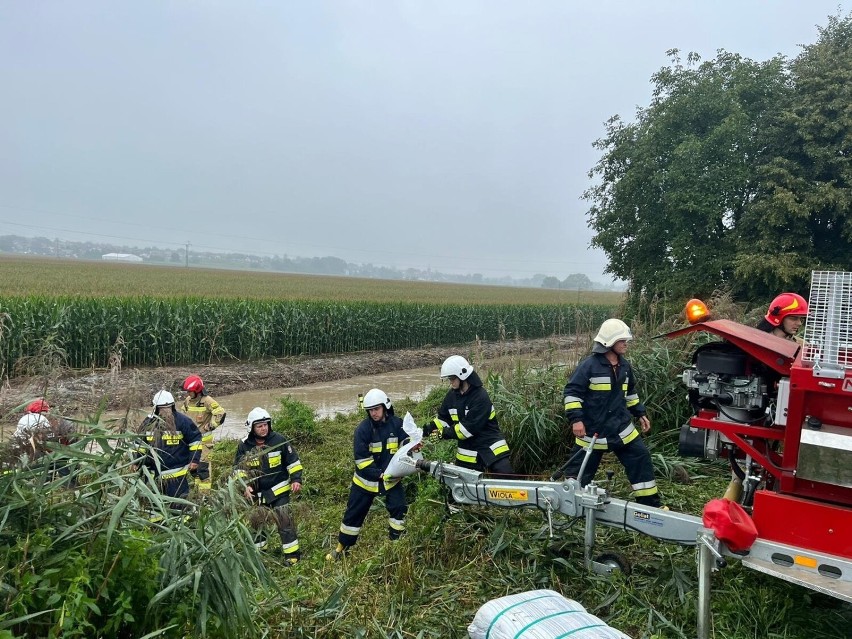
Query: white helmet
x,y
456,366
376,397
257,415
163,398
612,331
31,422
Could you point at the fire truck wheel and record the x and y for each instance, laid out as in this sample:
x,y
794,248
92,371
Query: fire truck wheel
x,y
615,561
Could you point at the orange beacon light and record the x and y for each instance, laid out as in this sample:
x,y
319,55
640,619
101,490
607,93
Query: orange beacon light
x,y
696,311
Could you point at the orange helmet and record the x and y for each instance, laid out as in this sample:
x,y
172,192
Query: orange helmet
x,y
38,406
193,384
784,305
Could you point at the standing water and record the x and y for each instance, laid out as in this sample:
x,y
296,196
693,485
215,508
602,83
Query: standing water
x,y
327,398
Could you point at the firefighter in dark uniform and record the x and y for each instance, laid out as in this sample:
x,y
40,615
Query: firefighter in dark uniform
x,y
272,471
601,399
207,415
376,440
172,438
467,415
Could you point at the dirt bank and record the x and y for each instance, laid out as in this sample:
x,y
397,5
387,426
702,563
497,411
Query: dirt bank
x,y
72,392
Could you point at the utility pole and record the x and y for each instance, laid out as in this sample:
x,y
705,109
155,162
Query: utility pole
x,y
186,253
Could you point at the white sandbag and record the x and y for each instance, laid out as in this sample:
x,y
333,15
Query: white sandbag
x,y
538,614
403,462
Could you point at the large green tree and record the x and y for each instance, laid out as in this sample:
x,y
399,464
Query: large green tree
x,y
735,176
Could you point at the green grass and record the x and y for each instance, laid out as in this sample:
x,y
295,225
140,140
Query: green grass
x,y
429,584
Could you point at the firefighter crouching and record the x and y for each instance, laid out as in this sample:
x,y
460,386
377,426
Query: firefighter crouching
x,y
601,398
376,440
271,468
207,415
467,415
173,445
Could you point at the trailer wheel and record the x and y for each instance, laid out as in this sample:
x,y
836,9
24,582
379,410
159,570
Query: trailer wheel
x,y
615,561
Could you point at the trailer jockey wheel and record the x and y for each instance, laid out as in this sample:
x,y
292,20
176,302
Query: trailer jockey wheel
x,y
615,561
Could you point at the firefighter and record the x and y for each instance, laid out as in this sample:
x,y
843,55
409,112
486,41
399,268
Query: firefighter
x,y
207,415
376,440
38,406
601,399
467,415
272,470
785,316
173,445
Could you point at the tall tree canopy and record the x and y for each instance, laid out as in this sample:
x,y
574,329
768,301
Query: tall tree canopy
x,y
737,175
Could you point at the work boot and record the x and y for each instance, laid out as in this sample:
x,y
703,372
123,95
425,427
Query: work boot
x,y
336,554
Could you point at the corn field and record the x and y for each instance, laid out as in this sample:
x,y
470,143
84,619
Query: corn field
x,y
148,331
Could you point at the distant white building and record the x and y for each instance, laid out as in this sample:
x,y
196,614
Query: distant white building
x,y
121,257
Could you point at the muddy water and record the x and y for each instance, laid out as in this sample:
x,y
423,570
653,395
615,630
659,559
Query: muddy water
x,y
327,398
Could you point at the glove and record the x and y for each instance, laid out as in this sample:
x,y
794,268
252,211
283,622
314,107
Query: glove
x,y
429,428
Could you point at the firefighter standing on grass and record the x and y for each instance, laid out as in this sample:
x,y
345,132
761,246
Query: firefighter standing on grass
x,y
272,471
376,440
467,415
207,415
601,399
173,445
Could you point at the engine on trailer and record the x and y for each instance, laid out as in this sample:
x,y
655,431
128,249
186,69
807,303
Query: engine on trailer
x,y
725,380
719,379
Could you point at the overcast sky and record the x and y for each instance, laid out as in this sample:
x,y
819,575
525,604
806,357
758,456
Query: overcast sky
x,y
452,134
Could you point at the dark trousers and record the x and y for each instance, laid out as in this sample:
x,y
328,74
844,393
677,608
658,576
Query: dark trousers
x,y
635,458
502,466
358,506
284,522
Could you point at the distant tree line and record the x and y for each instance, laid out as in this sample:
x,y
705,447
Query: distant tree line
x,y
309,265
737,176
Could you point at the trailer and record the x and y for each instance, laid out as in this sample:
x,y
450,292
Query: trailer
x,y
780,412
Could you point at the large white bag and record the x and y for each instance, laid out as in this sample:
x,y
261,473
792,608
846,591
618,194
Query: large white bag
x,y
402,464
538,614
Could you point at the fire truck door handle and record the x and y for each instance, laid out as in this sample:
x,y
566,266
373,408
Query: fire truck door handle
x,y
827,384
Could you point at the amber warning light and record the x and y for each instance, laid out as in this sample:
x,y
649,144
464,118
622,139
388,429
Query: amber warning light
x,y
696,311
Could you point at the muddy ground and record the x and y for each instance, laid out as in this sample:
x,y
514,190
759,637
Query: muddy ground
x,y
75,392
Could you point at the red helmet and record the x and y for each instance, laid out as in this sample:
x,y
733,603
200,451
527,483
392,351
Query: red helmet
x,y
784,305
38,406
193,384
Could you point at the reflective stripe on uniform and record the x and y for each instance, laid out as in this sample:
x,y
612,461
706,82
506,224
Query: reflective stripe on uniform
x,y
396,524
454,414
390,482
628,434
584,442
498,448
196,445
207,438
572,402
289,549
393,444
362,463
600,383
645,488
462,432
632,400
350,530
295,467
366,484
462,454
375,447
493,413
280,487
240,474
174,472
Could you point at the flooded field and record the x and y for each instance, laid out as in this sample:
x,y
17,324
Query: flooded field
x,y
327,398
